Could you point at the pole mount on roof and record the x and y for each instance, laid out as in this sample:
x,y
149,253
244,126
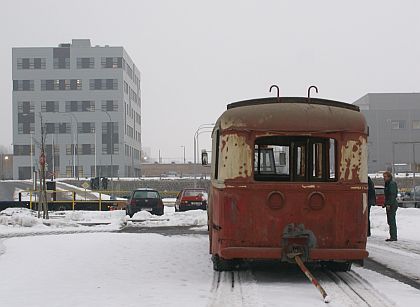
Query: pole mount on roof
x,y
278,91
309,92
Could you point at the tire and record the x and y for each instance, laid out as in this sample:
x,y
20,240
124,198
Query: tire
x,y
160,212
220,264
338,266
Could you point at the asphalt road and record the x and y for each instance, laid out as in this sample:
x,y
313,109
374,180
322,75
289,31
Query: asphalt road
x,y
7,189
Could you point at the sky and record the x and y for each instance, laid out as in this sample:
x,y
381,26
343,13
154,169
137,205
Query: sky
x,y
196,56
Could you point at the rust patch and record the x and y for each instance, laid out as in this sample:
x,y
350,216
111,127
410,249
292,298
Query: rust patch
x,y
237,163
353,164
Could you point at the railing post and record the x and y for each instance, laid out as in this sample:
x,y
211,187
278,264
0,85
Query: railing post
x,y
30,200
73,200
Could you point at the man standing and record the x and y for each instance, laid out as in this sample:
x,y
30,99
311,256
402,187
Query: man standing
x,y
391,191
371,200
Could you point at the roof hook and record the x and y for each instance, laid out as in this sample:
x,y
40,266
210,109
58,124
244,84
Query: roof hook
x,y
278,91
309,92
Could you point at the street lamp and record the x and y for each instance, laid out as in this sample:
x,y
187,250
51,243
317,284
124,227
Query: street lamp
x,y
112,148
196,134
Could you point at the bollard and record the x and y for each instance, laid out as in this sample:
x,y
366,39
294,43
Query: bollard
x,y
100,201
30,200
73,200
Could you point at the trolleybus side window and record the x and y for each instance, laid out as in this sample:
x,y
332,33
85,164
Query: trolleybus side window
x,y
332,159
215,165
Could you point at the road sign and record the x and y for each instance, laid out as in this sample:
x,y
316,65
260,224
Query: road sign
x,y
85,185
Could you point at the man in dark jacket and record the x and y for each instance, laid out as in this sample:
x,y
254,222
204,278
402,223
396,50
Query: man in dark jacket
x,y
371,200
391,191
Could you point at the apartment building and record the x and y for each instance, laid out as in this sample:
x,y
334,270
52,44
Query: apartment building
x,y
88,99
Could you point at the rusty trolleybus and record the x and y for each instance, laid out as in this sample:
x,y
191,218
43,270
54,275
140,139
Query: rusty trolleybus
x,y
289,176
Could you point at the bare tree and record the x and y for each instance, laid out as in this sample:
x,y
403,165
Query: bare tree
x,y
43,201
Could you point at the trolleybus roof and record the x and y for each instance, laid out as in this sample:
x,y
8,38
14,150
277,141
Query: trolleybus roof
x,y
268,100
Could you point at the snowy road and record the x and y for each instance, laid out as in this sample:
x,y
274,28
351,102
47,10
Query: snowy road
x,y
137,269
164,261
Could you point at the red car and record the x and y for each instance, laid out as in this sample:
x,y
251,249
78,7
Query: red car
x,y
191,199
380,195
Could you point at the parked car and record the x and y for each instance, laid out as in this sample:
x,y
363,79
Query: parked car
x,y
191,199
380,195
145,200
410,199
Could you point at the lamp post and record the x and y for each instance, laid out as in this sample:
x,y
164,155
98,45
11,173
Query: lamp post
x,y
196,134
112,148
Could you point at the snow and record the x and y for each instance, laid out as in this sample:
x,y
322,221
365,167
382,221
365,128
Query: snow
x,y
121,269
105,270
195,218
22,221
403,255
143,269
408,220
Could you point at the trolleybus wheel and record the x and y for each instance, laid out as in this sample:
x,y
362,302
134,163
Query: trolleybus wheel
x,y
220,264
338,266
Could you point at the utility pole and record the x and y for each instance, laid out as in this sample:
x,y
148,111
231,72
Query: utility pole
x,y
43,202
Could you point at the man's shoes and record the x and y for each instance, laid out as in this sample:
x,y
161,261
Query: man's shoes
x,y
391,239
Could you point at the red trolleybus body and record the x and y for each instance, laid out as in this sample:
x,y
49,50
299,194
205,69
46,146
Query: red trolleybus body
x,y
289,176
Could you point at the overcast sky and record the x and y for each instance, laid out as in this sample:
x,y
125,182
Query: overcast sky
x,y
197,56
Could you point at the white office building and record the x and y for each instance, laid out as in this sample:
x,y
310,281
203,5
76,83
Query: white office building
x,y
89,101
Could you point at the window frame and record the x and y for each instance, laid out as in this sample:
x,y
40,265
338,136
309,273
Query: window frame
x,y
293,143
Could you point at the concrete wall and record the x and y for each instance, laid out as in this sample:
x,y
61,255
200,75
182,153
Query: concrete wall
x,y
184,170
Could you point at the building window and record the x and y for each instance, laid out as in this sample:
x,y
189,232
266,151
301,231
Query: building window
x,y
416,124
50,106
26,117
64,128
126,87
80,106
86,127
111,62
109,105
85,63
23,150
31,63
103,84
110,138
61,85
397,124
23,85
61,58
61,63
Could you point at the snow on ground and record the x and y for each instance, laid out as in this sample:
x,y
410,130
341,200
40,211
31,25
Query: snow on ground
x,y
22,221
105,270
408,220
121,269
170,218
403,255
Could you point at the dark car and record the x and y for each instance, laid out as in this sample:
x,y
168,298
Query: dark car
x,y
191,199
145,200
380,195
